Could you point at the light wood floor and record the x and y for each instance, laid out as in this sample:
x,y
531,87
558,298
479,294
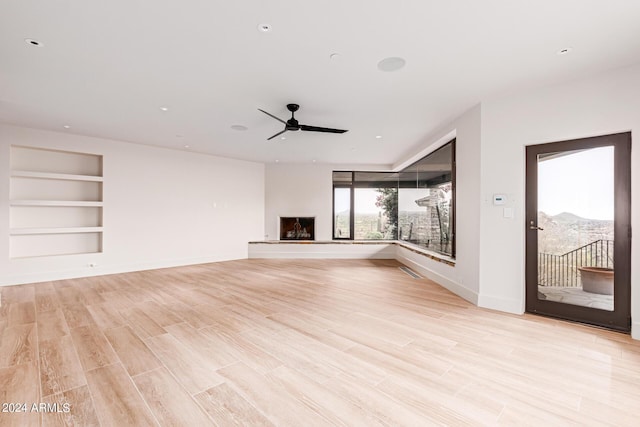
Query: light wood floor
x,y
300,343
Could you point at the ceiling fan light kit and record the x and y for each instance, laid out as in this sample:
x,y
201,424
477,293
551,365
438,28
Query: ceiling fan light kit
x,y
293,125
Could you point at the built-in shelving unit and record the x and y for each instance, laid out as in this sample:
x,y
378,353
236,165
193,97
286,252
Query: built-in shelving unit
x,y
56,202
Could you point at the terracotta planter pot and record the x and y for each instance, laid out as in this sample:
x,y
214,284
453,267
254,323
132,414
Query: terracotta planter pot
x,y
597,280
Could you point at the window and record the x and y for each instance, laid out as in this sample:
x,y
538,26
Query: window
x,y
342,203
415,205
426,202
373,199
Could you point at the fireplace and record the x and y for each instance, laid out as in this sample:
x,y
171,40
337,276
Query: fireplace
x,y
297,228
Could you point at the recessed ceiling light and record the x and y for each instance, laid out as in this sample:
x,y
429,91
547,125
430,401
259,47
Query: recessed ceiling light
x,y
186,146
378,136
264,28
34,42
66,127
564,51
283,137
239,127
164,109
314,160
277,161
393,63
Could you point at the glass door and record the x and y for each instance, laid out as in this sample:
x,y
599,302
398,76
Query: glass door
x,y
578,230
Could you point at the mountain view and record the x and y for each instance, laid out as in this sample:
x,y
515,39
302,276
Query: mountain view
x,y
565,232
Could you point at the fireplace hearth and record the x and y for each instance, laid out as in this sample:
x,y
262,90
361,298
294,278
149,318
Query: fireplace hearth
x,y
297,228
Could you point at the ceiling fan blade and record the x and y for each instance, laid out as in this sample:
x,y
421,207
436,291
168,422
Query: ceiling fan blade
x,y
279,133
319,129
271,115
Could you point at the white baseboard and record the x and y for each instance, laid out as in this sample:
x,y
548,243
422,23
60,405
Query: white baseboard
x,y
101,270
508,305
452,286
635,330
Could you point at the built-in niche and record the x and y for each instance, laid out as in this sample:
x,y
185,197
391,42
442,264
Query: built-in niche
x,y
297,228
55,203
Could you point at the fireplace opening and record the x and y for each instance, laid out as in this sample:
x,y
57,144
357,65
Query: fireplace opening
x,y
297,228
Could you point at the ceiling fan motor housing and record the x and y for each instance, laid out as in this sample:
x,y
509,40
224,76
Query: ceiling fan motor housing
x,y
292,123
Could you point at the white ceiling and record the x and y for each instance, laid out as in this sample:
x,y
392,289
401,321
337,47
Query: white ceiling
x,y
107,67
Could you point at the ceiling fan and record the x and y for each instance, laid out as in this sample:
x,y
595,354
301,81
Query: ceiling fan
x,y
293,125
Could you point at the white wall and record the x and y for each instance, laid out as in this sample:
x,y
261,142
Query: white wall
x,y
461,279
161,208
303,190
324,250
604,104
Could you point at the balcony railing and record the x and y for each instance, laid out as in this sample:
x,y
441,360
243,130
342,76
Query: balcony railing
x,y
562,270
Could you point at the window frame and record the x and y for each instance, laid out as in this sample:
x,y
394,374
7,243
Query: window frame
x,y
352,186
351,206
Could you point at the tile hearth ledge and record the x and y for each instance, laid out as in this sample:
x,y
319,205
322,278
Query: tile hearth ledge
x,y
432,255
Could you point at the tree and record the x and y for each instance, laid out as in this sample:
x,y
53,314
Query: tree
x,y
387,200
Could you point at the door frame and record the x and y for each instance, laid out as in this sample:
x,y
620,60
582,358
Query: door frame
x,y
620,318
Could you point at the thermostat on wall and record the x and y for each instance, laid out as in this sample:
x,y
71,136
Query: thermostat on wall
x,y
499,199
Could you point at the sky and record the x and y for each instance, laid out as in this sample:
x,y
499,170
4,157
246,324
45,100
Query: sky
x,y
365,200
579,183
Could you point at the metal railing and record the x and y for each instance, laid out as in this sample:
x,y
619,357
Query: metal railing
x,y
562,270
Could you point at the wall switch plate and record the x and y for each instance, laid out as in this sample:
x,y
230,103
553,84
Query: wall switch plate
x,y
507,212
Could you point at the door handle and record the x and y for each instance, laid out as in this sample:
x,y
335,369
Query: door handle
x,y
532,226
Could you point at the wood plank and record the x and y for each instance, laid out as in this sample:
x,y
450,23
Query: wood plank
x,y
227,408
69,294
436,405
242,349
311,364
20,313
18,345
117,298
19,384
313,327
51,324
143,326
90,295
76,315
60,368
70,408
171,404
18,294
132,351
106,315
116,399
93,348
46,297
376,403
160,314
335,409
195,373
200,344
270,398
189,315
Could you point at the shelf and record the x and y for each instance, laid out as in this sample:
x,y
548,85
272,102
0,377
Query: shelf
x,y
55,203
97,252
58,176
54,230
